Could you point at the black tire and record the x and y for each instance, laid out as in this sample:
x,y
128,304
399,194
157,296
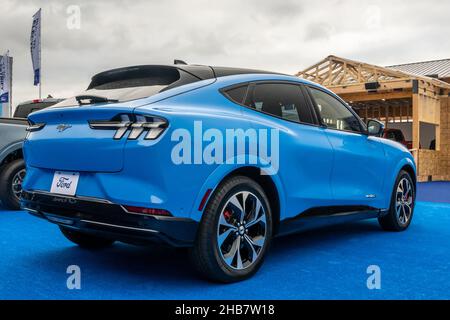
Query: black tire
x,y
205,254
85,240
392,221
7,175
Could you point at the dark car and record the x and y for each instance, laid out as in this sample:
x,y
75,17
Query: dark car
x,y
397,135
27,107
12,133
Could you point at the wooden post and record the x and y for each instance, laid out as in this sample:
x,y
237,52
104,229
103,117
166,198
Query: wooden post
x,y
439,126
416,126
386,111
438,138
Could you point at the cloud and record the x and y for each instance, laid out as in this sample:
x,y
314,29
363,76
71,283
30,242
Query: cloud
x,y
285,36
318,31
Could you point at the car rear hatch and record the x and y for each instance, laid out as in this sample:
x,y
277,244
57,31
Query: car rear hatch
x,y
85,133
67,142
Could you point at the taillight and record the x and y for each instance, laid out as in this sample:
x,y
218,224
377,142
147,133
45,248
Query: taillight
x,y
32,127
147,211
120,127
136,124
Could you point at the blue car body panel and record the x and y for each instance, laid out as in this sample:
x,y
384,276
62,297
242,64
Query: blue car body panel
x,y
354,181
318,167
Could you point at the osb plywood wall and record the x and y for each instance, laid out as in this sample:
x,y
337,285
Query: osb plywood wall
x,y
429,165
436,164
445,138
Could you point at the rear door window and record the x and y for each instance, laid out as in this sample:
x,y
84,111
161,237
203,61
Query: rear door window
x,y
282,100
237,94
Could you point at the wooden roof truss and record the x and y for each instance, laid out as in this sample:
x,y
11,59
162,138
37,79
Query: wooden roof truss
x,y
334,71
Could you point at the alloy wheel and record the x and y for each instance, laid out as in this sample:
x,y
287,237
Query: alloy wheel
x,y
404,201
241,230
16,185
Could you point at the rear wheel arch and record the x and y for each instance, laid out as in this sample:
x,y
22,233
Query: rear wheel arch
x,y
221,251
266,183
11,156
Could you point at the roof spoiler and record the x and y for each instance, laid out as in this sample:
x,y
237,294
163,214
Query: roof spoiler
x,y
177,61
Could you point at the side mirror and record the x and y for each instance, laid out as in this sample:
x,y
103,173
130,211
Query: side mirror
x,y
375,128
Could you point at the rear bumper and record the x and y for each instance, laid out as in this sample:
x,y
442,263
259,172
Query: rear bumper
x,y
102,217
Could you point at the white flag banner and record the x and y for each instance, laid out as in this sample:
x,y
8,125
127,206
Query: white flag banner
x,y
5,78
35,45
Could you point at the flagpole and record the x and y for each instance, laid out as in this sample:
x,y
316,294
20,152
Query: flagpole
x,y
10,85
40,55
36,50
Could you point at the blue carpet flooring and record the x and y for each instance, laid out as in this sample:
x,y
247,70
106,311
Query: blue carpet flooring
x,y
434,191
323,264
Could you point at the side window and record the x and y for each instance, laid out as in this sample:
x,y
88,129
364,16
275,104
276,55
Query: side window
x,y
281,100
237,94
399,136
391,136
333,113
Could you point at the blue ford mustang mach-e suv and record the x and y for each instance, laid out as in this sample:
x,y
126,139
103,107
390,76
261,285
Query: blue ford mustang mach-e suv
x,y
216,159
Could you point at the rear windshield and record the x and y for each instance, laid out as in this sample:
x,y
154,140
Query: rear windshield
x,y
23,110
133,83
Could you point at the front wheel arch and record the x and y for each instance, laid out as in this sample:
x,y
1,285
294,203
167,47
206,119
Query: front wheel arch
x,y
405,163
13,152
8,173
400,206
408,168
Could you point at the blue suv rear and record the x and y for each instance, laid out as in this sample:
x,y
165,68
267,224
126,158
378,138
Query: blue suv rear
x,y
219,160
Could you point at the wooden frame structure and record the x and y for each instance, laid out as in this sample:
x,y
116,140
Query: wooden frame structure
x,y
379,92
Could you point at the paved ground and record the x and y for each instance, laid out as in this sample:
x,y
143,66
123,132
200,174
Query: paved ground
x,y
324,264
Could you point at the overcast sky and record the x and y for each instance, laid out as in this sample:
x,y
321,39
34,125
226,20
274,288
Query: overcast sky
x,y
284,35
